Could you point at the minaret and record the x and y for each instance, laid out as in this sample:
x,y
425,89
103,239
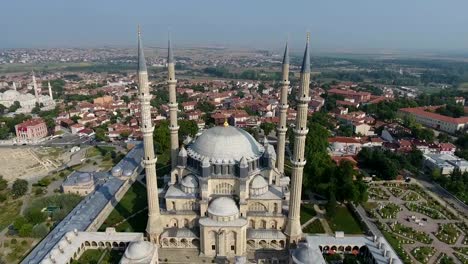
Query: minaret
x,y
14,86
50,91
173,127
36,92
293,228
283,108
154,226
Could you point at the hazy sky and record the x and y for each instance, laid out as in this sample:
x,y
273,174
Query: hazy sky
x,y
335,25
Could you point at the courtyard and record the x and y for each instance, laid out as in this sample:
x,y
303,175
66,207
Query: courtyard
x,y
419,228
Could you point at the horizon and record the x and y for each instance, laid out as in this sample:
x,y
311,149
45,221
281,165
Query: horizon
x,y
358,27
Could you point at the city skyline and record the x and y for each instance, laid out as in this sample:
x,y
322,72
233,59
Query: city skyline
x,y
361,26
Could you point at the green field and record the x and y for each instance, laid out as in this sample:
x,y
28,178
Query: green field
x,y
9,211
133,201
344,221
314,227
307,212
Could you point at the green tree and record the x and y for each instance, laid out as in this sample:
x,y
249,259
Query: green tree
x,y
26,230
35,216
331,205
19,188
19,222
187,128
267,128
206,107
40,230
3,183
15,106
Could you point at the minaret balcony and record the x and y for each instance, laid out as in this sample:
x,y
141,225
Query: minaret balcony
x,y
172,105
148,129
174,129
298,163
283,107
303,99
150,162
282,130
300,132
173,82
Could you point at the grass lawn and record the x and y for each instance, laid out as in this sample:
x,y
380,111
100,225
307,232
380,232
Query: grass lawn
x,y
314,227
307,212
93,256
344,221
17,251
9,211
92,152
134,200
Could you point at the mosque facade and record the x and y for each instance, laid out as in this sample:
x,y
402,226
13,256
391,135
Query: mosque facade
x,y
226,195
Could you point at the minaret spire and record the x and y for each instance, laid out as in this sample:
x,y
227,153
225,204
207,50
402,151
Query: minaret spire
x,y
173,126
293,228
50,91
154,226
282,127
36,92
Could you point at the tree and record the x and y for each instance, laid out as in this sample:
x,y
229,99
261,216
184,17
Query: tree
x,y
2,109
205,107
187,128
40,230
15,106
331,205
19,188
3,183
19,222
36,109
26,230
267,128
35,216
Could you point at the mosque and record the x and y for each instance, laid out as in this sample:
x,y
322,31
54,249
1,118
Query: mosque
x,y
226,200
227,194
27,100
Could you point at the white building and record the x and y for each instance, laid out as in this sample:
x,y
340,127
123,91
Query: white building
x,y
445,163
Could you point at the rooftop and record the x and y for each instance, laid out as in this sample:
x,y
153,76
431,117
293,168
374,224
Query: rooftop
x,y
83,215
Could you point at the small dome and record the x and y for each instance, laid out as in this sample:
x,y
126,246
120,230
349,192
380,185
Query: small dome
x,y
223,207
127,173
138,250
258,185
83,178
10,95
258,182
190,181
304,255
116,171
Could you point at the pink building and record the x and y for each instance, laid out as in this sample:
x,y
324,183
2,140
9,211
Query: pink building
x,y
30,130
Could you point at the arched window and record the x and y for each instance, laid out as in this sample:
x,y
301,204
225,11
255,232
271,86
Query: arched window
x,y
224,188
257,207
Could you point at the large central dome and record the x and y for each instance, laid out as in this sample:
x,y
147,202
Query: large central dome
x,y
225,143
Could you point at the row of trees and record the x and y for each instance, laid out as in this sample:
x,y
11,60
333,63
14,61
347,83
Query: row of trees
x,y
386,164
338,182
